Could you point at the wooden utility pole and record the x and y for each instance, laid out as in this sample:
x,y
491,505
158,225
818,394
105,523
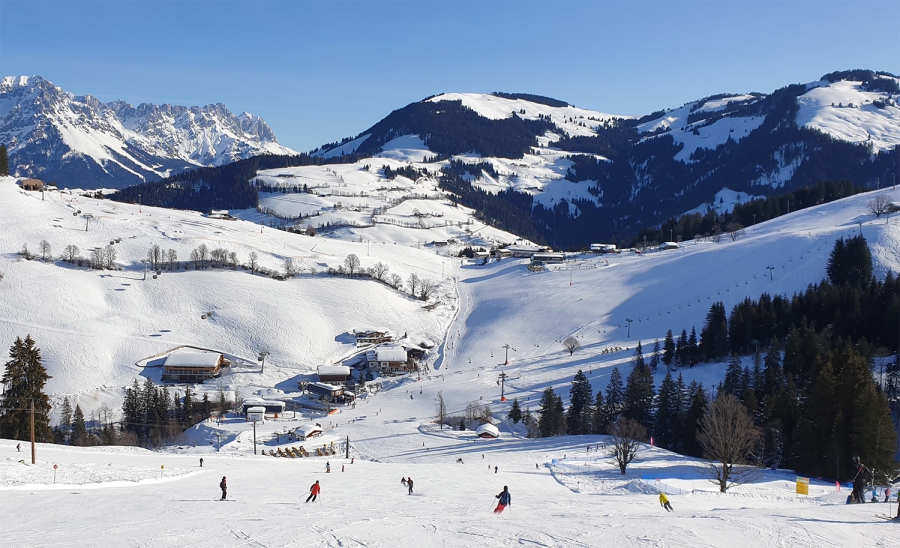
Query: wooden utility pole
x,y
33,453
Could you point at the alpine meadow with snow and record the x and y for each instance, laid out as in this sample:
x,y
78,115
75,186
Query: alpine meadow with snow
x,y
100,330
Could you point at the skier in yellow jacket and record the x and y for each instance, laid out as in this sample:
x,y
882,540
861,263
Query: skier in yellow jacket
x,y
664,502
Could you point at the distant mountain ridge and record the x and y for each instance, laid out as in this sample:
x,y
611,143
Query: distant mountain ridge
x,y
79,141
628,173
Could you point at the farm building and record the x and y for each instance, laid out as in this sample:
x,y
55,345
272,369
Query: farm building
x,y
334,374
372,336
487,431
193,365
307,431
390,360
669,245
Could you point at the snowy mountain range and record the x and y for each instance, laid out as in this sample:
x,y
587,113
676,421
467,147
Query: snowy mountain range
x,y
79,141
579,175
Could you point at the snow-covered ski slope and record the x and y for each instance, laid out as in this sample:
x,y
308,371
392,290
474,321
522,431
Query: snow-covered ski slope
x,y
93,327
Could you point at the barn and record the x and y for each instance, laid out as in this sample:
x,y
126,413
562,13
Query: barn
x,y
334,374
193,365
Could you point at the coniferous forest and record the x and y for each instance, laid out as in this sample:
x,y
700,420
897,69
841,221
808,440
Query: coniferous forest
x,y
816,371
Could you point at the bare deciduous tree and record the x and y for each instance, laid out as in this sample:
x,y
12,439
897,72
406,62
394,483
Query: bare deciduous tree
x,y
232,258
380,270
70,253
880,205
195,258
154,256
727,437
171,258
254,262
396,282
571,344
203,251
735,230
109,256
351,263
426,287
441,408
627,435
310,231
413,282
45,250
289,268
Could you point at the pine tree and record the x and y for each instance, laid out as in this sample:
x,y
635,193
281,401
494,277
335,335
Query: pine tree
x,y
681,350
639,392
668,349
654,358
578,416
732,383
599,421
695,411
668,413
714,335
4,161
79,428
638,360
24,379
546,419
65,419
188,417
693,349
615,397
515,412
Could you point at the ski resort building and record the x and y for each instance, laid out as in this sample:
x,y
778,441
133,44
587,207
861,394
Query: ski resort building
x,y
334,374
307,431
390,360
193,365
604,248
524,251
32,184
326,391
372,336
269,406
256,414
548,258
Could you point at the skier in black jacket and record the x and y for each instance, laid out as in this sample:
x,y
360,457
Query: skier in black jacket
x,y
224,487
859,480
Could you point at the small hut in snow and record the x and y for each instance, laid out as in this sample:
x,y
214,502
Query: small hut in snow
x,y
487,431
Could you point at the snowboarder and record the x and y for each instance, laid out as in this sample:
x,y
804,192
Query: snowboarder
x,y
403,482
313,491
19,447
664,502
859,480
224,487
201,462
327,467
409,483
495,469
505,500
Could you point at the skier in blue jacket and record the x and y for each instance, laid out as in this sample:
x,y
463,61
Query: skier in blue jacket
x,y
505,500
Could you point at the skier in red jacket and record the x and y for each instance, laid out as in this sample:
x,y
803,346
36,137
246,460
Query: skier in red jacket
x,y
313,492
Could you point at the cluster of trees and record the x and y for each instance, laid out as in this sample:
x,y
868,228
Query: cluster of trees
x,y
420,288
151,415
405,171
692,225
809,392
539,99
4,161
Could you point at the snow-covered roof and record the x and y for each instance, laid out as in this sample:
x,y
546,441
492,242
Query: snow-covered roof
x,y
192,358
488,429
333,370
326,386
306,430
390,353
256,410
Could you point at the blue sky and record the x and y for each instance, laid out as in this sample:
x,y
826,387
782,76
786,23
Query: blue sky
x,y
320,71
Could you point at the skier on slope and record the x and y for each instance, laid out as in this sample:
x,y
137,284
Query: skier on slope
x,y
505,500
859,480
224,487
409,483
313,491
664,502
